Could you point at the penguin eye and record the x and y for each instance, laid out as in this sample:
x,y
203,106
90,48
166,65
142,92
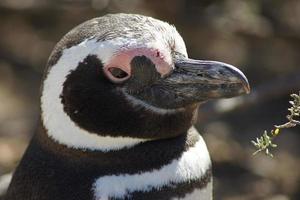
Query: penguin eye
x,y
117,72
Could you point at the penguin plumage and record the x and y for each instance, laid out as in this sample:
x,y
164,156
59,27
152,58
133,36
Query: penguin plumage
x,y
118,102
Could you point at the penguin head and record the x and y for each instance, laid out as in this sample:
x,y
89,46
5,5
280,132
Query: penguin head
x,y
127,78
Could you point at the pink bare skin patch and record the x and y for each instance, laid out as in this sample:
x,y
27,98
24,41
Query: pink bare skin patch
x,y
163,62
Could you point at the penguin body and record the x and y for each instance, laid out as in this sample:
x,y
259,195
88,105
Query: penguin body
x,y
119,99
57,172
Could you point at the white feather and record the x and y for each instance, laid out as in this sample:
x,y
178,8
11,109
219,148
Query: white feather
x,y
58,124
192,165
4,183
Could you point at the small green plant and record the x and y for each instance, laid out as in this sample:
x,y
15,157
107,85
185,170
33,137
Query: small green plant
x,y
265,142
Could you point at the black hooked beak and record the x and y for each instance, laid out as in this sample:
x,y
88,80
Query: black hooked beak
x,y
191,82
195,81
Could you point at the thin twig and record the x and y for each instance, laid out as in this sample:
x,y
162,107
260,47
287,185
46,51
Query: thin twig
x,y
265,142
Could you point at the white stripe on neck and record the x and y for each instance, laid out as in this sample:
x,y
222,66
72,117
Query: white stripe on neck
x,y
192,165
58,124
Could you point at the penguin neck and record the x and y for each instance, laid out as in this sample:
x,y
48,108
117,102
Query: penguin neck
x,y
144,154
122,127
60,166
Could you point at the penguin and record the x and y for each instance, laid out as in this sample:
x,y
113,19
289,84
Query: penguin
x,y
118,102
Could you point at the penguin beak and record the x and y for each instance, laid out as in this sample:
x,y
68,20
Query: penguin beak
x,y
195,81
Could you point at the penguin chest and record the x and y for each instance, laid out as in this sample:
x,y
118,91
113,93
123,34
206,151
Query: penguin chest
x,y
187,177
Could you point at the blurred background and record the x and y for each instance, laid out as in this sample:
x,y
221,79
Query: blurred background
x,y
261,37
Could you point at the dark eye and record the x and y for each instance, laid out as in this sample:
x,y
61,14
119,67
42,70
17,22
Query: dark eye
x,y
117,72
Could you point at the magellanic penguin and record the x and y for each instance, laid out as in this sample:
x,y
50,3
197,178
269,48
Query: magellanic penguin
x,y
118,102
